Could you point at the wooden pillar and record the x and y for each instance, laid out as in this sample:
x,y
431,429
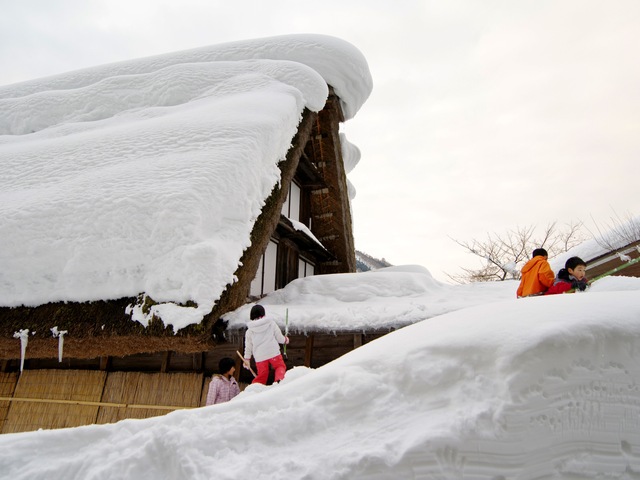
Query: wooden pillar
x,y
198,361
357,340
105,363
166,359
308,351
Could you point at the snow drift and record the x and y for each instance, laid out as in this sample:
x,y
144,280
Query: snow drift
x,y
546,387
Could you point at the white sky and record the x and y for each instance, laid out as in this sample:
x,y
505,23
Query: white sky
x,y
484,115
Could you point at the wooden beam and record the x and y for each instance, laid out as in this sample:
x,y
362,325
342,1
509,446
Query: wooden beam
x,y
105,363
198,361
166,359
357,340
98,404
308,351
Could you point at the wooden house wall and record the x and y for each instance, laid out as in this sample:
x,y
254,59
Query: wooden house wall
x,y
67,396
330,205
317,197
604,263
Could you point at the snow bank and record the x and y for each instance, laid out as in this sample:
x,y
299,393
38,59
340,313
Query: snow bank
x,y
546,387
381,299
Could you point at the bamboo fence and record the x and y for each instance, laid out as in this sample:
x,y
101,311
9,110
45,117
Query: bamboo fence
x,y
161,393
7,387
55,392
68,398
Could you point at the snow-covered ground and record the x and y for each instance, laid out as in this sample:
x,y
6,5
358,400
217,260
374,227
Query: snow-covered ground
x,y
545,387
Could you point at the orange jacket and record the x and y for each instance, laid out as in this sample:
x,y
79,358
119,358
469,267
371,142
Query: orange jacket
x,y
537,277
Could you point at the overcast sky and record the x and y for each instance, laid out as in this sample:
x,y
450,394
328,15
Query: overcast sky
x,y
484,116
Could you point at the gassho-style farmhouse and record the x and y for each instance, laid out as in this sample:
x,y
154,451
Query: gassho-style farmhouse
x,y
140,201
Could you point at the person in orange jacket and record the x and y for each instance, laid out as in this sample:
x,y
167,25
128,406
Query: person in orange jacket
x,y
537,275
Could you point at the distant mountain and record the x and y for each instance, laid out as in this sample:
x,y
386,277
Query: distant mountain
x,y
365,262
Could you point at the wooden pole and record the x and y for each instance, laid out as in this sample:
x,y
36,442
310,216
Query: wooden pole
x,y
250,369
83,402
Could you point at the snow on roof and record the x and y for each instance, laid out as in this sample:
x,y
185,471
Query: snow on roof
x,y
389,298
341,65
614,236
350,158
383,299
147,175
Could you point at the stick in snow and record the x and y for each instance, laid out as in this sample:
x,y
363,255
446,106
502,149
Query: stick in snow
x,y
286,332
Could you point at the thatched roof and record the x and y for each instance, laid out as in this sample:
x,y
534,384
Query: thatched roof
x,y
90,283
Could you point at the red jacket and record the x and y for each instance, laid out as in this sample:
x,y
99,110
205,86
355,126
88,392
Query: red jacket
x,y
537,277
559,287
565,282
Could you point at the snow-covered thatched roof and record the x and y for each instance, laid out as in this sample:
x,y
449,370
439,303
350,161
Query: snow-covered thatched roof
x,y
148,175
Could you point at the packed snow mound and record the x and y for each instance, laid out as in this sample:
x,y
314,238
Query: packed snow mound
x,y
546,387
381,299
148,175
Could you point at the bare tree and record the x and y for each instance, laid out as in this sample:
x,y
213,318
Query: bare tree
x,y
619,233
503,253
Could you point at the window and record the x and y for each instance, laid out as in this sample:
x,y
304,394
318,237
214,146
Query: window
x,y
265,279
291,206
305,268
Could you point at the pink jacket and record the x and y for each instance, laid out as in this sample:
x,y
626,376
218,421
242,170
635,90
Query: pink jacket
x,y
222,390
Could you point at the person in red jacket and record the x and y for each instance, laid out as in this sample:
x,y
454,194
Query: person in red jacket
x,y
572,276
537,275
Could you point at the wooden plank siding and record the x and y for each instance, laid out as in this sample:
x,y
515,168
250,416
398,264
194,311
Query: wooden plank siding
x,y
604,263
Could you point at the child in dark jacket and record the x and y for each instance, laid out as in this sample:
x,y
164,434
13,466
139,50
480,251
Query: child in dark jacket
x,y
572,276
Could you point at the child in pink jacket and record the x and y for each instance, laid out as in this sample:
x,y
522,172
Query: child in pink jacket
x,y
262,341
223,387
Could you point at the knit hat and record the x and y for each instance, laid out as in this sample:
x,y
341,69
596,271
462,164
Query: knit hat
x,y
257,311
